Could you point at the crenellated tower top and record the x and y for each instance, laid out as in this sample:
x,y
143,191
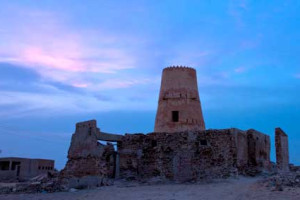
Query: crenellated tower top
x,y
179,67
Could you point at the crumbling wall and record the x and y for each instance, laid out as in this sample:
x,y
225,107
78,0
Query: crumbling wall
x,y
181,156
258,149
87,157
190,156
241,141
282,150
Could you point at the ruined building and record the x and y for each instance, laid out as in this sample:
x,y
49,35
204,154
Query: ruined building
x,y
13,168
179,149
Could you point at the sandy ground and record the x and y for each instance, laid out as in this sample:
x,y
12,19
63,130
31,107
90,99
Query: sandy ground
x,y
242,188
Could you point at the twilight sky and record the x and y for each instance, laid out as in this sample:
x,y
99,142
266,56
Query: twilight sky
x,y
62,62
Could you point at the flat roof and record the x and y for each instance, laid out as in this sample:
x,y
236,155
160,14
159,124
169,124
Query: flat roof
x,y
19,158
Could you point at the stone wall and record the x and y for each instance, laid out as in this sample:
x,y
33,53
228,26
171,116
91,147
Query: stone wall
x,y
178,156
89,160
191,156
241,142
282,150
258,149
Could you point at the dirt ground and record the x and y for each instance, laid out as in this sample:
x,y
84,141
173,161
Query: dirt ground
x,y
242,188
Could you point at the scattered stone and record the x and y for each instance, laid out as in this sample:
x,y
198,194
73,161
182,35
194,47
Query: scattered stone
x,y
73,190
282,180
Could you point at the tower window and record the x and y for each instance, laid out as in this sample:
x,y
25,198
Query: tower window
x,y
175,116
4,165
203,142
154,143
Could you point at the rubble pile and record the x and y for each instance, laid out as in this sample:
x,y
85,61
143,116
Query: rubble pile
x,y
43,183
282,180
294,168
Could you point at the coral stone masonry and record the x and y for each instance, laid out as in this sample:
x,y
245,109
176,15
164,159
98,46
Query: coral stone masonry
x,y
89,160
193,155
179,106
282,150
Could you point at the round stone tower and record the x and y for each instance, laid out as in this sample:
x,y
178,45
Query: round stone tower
x,y
179,106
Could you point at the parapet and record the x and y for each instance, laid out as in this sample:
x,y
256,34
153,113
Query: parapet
x,y
178,67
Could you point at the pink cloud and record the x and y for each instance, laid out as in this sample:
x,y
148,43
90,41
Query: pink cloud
x,y
80,85
37,57
49,45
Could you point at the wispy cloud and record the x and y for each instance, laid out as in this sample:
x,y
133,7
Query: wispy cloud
x,y
19,104
46,43
236,10
116,83
240,69
98,59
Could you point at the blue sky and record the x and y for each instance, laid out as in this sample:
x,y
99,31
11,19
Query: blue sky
x,y
62,62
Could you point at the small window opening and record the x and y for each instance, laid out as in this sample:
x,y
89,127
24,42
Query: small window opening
x,y
175,116
108,158
203,142
154,143
4,165
39,167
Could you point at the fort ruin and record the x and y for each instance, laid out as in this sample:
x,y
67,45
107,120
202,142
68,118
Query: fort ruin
x,y
180,148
